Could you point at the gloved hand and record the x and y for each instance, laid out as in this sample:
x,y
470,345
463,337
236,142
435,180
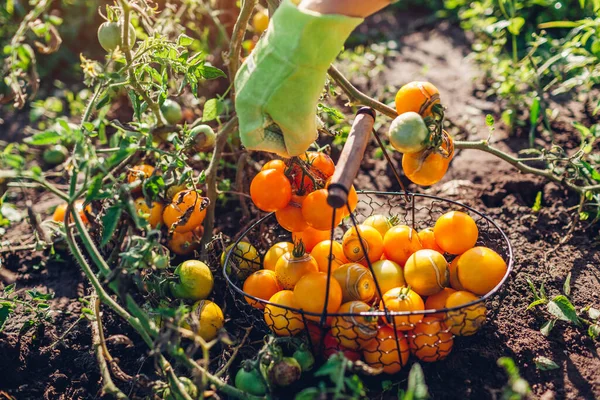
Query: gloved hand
x,y
278,86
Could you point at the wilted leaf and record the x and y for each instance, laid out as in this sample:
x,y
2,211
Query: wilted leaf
x,y
567,285
545,364
547,327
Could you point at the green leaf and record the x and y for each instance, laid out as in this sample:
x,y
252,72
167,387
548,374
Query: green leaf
x,y
489,120
595,175
537,205
567,285
547,327
536,303
8,289
110,221
44,138
332,112
416,389
212,109
545,364
561,308
210,72
6,309
184,40
515,25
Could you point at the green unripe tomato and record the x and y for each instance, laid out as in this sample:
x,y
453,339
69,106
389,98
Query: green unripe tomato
x,y
171,111
305,358
195,281
204,138
251,382
55,155
109,35
408,133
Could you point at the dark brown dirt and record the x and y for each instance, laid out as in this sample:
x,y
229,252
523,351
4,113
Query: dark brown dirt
x,y
31,370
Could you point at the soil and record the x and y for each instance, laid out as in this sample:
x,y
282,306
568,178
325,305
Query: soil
x,y
40,365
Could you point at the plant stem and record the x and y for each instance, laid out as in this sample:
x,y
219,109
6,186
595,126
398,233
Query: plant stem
x,y
235,46
211,180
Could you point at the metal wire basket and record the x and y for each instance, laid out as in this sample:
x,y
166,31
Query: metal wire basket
x,y
382,337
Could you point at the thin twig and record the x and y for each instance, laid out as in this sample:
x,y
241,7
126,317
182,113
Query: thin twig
x,y
235,46
239,183
234,353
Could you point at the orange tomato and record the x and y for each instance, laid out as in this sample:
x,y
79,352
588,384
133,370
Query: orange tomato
x,y
185,243
403,299
319,161
356,281
262,284
278,165
59,212
274,254
310,237
455,232
318,214
294,265
352,202
371,242
428,167
426,272
177,215
290,218
151,214
321,255
417,97
386,352
270,190
430,340
437,302
464,321
280,320
400,242
139,173
427,239
480,269
311,293
354,330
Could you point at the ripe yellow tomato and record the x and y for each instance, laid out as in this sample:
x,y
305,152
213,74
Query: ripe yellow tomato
x,y
388,274
270,190
152,214
260,21
453,269
292,266
464,321
455,232
196,281
356,281
379,222
417,97
262,284
244,259
206,319
400,242
372,242
186,211
402,299
139,173
430,340
427,239
275,252
310,237
426,272
437,302
281,321
480,269
353,331
321,255
385,351
311,293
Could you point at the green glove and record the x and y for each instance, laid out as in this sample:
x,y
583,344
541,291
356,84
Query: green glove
x,y
279,84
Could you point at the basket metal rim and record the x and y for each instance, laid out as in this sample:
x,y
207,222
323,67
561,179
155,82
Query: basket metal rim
x,y
379,313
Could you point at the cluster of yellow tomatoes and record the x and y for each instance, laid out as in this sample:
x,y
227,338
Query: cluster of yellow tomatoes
x,y
418,134
411,271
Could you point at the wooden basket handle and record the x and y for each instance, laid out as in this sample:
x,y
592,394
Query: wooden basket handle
x,y
351,157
